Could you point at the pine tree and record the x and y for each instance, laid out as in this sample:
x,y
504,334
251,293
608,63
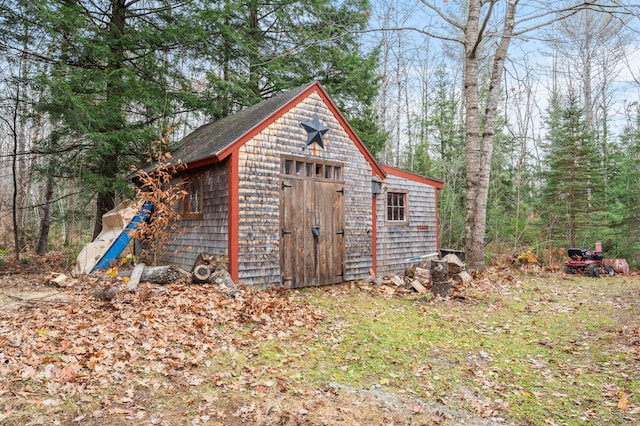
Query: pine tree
x,y
249,50
107,88
572,202
623,197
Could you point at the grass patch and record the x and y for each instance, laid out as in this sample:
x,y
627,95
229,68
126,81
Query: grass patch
x,y
536,350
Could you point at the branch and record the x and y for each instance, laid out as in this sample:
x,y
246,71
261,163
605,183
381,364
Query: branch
x,y
421,31
62,197
564,13
484,26
138,13
442,15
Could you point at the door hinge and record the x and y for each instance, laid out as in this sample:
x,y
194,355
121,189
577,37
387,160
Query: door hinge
x,y
340,191
284,280
285,185
286,232
340,233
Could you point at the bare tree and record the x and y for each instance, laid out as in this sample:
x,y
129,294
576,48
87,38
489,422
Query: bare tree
x,y
520,100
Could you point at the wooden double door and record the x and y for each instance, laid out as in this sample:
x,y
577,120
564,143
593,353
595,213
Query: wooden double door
x,y
312,223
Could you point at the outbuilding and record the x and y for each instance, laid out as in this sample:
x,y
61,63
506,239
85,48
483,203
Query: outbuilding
x,y
290,193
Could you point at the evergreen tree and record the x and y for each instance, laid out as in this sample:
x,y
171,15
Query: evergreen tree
x,y
107,89
256,49
572,200
624,197
440,140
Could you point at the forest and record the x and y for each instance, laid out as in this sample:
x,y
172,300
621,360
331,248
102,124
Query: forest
x,y
528,112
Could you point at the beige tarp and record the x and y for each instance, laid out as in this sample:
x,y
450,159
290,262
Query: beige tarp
x,y
113,223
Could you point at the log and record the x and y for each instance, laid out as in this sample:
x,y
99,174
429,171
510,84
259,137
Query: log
x,y
397,281
455,264
417,285
422,273
201,274
222,279
55,279
105,292
204,259
440,283
410,272
160,274
462,277
203,267
439,271
136,274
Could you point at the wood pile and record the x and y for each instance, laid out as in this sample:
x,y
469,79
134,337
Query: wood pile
x,y
209,269
206,269
440,277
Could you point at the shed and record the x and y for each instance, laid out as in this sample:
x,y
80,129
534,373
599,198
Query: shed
x,y
290,193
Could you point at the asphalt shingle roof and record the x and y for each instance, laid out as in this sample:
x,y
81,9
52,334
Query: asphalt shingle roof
x,y
211,139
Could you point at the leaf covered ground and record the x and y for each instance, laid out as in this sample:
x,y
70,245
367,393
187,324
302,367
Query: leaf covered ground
x,y
511,348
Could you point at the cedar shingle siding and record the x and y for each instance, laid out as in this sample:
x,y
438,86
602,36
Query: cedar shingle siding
x,y
398,242
208,234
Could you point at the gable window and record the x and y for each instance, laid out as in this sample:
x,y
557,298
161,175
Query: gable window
x,y
192,204
396,207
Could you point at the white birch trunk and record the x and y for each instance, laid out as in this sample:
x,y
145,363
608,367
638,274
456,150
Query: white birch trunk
x,y
480,145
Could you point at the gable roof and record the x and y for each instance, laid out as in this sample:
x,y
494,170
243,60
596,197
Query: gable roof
x,y
215,141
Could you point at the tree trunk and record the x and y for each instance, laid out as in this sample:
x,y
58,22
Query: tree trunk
x,y
462,277
117,122
480,144
45,222
104,203
14,169
160,274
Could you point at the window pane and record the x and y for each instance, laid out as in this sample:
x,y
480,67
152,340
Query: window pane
x,y
299,166
288,164
337,173
396,206
309,169
193,201
328,172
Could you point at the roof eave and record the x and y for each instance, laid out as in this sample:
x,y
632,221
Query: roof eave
x,y
413,176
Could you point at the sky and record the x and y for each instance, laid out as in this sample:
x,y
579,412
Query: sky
x,y
530,66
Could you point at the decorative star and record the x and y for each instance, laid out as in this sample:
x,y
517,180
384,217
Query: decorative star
x,y
315,130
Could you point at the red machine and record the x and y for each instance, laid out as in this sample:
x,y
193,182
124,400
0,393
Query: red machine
x,y
587,262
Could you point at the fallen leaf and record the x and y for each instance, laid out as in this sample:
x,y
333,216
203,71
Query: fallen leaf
x,y
622,402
